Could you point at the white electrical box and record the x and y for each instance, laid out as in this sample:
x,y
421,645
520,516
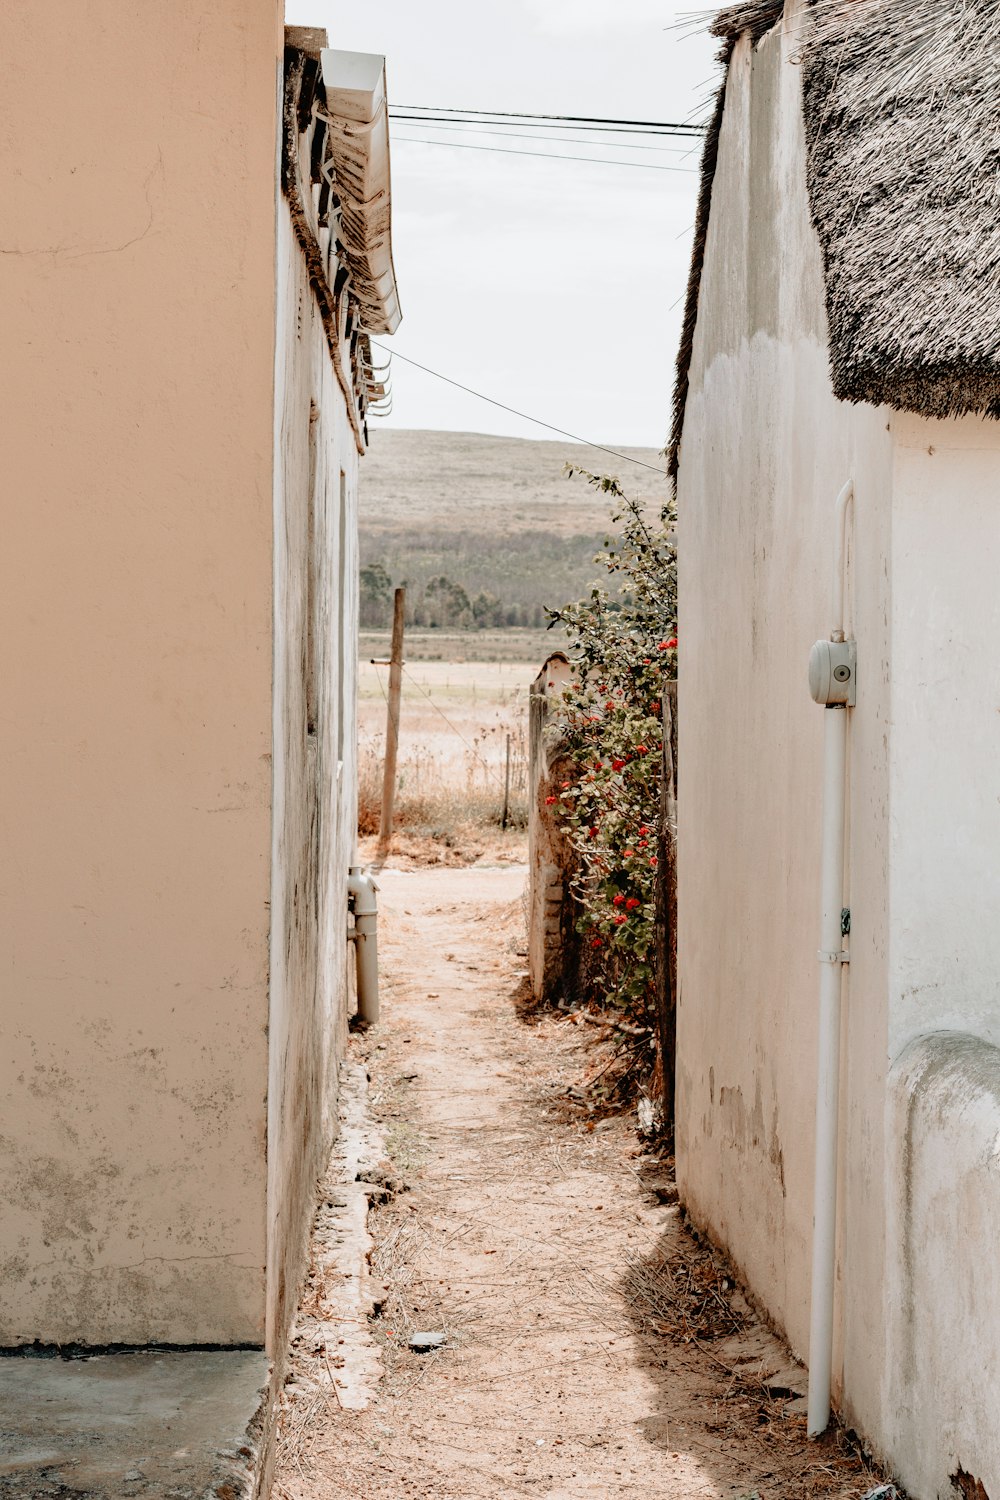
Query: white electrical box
x,y
833,672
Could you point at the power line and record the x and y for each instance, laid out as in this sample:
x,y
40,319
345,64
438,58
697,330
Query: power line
x,y
597,161
599,447
505,134
456,123
507,114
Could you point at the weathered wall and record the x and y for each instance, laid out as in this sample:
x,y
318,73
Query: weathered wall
x,y
315,777
551,933
943,1286
137,281
765,450
946,729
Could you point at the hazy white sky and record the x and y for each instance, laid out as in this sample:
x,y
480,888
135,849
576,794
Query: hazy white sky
x,y
554,286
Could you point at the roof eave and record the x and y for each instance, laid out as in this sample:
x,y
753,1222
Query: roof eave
x,y
358,120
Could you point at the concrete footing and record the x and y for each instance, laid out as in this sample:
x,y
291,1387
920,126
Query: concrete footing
x,y
174,1426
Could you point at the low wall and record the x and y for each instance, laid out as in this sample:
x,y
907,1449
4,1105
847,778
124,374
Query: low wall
x,y
942,1367
550,855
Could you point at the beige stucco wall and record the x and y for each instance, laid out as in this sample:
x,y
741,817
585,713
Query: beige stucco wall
x,y
137,280
766,448
315,775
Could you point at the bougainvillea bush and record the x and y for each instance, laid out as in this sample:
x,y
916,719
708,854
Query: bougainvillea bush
x,y
624,647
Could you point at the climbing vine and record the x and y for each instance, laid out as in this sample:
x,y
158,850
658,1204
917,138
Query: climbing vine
x,y
624,647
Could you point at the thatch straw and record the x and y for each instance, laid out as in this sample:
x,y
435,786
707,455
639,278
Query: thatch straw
x,y
902,113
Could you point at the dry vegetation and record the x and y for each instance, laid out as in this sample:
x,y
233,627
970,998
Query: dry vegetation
x,y
457,721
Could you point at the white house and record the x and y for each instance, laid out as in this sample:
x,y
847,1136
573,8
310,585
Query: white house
x,y
195,252
842,344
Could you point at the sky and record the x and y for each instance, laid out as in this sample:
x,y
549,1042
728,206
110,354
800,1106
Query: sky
x,y
553,286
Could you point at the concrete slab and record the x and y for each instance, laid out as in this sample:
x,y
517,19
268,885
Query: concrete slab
x,y
174,1426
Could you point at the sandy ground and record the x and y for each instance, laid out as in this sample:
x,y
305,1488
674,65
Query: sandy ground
x,y
591,1347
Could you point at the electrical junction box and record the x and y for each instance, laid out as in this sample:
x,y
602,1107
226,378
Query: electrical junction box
x,y
833,672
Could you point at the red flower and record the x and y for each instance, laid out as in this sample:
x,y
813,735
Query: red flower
x,y
616,765
549,801
618,900
672,643
652,859
628,854
609,705
598,765
632,903
642,749
593,833
654,707
564,784
597,942
621,917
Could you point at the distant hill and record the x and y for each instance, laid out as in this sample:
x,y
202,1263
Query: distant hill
x,y
485,531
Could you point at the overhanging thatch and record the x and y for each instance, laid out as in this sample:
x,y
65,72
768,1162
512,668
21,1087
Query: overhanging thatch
x,y
902,111
902,114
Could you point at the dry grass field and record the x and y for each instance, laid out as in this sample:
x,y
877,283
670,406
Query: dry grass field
x,y
456,722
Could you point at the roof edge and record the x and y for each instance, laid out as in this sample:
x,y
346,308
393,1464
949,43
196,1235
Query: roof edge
x,y
358,120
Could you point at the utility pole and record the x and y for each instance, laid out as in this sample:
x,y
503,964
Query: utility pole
x,y
392,723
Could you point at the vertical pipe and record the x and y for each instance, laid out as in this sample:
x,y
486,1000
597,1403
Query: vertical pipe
x,y
828,1082
824,1263
392,723
361,890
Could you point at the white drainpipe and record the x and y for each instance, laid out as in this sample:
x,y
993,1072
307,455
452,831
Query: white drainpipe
x,y
361,890
832,681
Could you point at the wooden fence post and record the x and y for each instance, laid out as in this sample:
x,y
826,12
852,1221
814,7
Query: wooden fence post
x,y
392,723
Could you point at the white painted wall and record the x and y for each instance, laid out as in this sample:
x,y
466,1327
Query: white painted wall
x,y
766,448
946,730
315,773
942,1355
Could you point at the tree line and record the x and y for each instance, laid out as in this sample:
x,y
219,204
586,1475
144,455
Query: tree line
x,y
441,603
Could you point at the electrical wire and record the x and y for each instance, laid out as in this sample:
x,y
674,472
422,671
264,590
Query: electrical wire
x,y
597,161
455,729
543,126
507,114
585,442
514,135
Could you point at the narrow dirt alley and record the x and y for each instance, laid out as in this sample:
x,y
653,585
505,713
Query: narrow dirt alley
x,y
590,1346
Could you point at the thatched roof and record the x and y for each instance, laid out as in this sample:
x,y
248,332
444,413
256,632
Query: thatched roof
x,y
902,114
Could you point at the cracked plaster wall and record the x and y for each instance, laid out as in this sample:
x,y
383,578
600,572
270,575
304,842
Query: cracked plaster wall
x,y
315,768
766,448
137,280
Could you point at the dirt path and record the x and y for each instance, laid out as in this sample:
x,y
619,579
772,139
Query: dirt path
x,y
584,1352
